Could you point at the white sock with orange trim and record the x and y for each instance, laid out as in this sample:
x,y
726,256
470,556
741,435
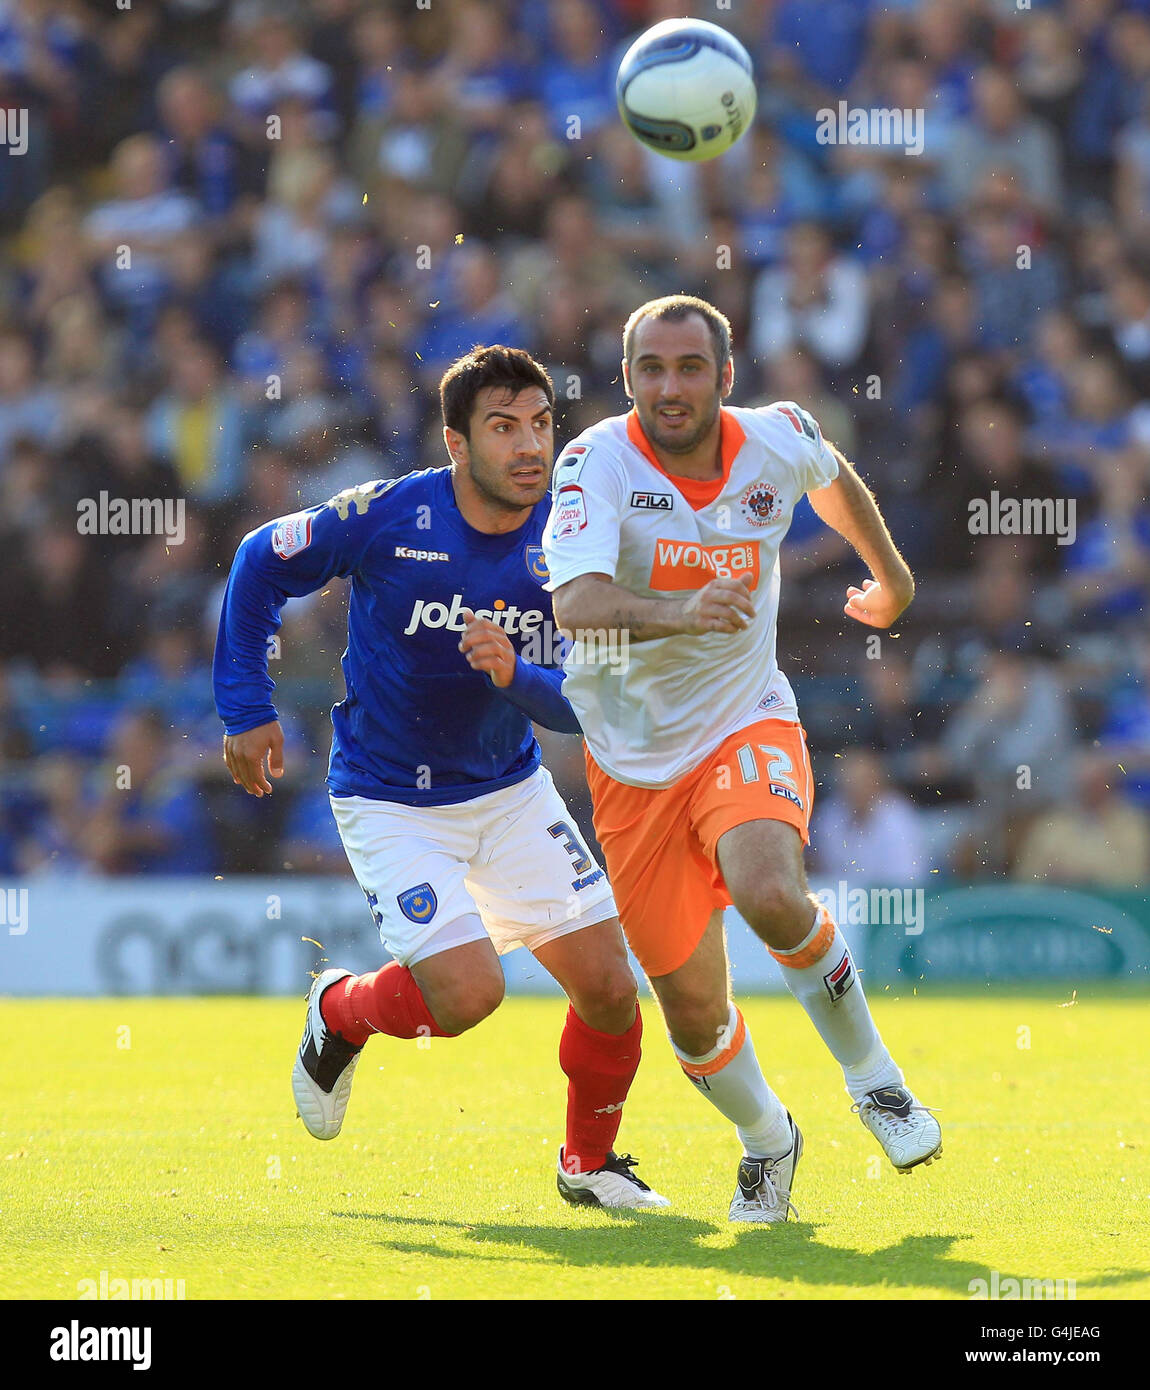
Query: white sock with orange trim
x,y
731,1079
820,972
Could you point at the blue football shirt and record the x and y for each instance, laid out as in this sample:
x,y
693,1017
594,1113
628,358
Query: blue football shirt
x,y
418,725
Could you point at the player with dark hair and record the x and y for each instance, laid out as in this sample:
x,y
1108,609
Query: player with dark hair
x,y
667,523
455,832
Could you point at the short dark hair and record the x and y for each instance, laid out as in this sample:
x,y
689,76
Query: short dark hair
x,y
675,307
488,366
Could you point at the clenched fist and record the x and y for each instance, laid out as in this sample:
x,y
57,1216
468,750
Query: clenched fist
x,y
488,648
723,605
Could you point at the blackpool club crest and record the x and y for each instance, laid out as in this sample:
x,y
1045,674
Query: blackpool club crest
x,y
760,504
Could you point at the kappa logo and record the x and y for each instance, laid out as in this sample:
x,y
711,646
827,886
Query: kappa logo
x,y
653,501
840,978
405,552
760,504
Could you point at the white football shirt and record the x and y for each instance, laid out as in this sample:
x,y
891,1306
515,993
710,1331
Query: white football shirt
x,y
652,713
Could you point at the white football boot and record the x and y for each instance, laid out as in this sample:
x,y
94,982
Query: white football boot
x,y
908,1132
613,1185
322,1075
763,1190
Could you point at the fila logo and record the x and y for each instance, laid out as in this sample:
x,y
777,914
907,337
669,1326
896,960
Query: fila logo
x,y
840,979
405,552
777,789
653,501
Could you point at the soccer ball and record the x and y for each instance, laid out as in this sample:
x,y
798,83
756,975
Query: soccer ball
x,y
686,88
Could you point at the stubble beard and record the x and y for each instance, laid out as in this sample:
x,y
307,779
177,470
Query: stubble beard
x,y
497,492
677,444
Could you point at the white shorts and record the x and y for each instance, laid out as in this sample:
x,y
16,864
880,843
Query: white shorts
x,y
514,857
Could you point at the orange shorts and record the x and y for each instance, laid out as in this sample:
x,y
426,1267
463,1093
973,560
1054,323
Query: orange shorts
x,y
661,844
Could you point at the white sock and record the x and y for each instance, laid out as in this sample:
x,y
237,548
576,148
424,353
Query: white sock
x,y
731,1079
820,972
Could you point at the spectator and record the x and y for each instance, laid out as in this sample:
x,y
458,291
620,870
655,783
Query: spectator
x,y
26,408
1107,581
279,71
198,424
866,832
1009,304
1010,738
130,236
203,160
1097,840
816,298
1002,135
147,819
58,606
484,314
578,77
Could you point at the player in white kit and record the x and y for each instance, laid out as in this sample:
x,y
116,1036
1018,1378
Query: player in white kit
x,y
666,523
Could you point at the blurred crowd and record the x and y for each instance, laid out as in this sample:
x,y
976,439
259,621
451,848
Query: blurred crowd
x,y
245,238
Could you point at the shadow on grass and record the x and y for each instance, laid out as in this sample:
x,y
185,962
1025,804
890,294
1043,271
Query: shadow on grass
x,y
652,1240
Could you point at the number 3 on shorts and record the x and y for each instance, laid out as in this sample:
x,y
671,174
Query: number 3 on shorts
x,y
779,765
572,844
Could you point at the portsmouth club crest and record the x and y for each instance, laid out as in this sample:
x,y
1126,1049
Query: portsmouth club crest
x,y
760,504
537,564
418,904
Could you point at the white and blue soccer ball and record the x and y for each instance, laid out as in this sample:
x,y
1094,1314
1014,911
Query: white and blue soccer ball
x,y
686,88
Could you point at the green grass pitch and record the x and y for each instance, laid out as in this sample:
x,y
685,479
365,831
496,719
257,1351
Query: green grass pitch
x,y
157,1139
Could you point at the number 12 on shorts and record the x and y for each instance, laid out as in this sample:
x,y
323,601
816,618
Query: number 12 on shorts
x,y
779,769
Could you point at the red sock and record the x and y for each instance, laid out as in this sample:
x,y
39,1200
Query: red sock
x,y
600,1068
386,1001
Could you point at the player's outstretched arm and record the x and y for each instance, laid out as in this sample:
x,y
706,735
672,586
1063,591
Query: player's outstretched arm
x,y
848,507
594,602
286,558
